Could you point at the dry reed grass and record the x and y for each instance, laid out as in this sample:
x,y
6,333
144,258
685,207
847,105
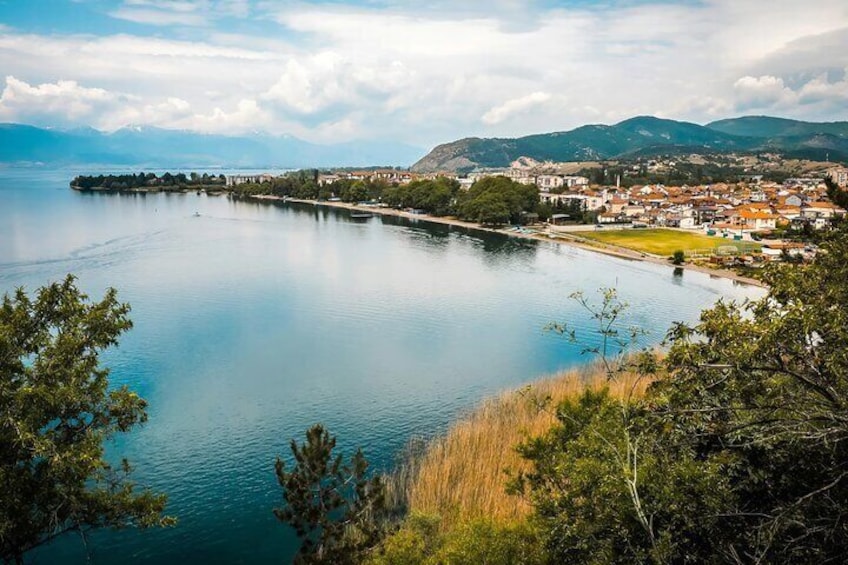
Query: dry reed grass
x,y
460,476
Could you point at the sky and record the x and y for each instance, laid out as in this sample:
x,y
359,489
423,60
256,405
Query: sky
x,y
420,73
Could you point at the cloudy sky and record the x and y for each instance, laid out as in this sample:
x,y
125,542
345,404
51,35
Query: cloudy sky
x,y
417,72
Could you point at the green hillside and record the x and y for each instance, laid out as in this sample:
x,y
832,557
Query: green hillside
x,y
646,136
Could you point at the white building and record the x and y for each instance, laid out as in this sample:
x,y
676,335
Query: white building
x,y
546,183
233,180
839,175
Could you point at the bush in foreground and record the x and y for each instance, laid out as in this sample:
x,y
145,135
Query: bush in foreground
x,y
737,455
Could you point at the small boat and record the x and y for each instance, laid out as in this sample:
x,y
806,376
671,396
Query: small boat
x,y
361,215
197,214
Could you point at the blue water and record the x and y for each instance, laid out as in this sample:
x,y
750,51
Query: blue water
x,y
254,321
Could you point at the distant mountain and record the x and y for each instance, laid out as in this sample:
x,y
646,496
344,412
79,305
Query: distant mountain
x,y
148,146
646,136
769,127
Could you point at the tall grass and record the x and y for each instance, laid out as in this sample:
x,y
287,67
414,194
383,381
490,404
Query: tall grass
x,y
461,477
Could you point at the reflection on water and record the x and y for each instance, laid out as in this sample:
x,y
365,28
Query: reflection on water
x,y
254,321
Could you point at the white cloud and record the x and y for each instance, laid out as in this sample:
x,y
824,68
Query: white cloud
x,y
515,106
821,90
67,103
156,17
761,92
247,116
317,82
63,102
817,96
180,12
448,70
165,113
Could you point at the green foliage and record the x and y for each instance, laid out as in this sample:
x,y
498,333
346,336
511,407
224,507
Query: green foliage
x,y
432,196
736,453
419,542
678,257
149,181
496,201
764,386
627,140
608,339
332,506
606,492
837,194
57,412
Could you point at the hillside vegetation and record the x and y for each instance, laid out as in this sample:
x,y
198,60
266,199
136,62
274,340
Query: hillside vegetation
x,y
729,449
646,136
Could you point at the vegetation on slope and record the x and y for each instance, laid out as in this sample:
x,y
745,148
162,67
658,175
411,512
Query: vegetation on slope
x,y
735,453
460,477
644,136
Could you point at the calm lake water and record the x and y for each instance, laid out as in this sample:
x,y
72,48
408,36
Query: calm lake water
x,y
254,321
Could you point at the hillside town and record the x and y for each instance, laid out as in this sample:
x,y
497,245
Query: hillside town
x,y
751,209
743,208
751,205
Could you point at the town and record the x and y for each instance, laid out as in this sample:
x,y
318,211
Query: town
x,y
743,223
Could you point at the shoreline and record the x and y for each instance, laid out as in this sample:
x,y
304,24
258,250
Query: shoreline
x,y
561,238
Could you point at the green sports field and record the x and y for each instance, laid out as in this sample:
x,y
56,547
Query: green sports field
x,y
663,241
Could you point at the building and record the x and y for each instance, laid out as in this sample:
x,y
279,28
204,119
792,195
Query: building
x,y
756,220
546,183
234,180
839,175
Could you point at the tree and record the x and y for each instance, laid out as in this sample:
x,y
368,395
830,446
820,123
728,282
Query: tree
x,y
678,257
598,484
763,387
57,412
735,454
606,491
836,193
489,209
497,200
333,507
358,192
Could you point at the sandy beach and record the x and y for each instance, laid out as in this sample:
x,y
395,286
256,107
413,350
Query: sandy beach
x,y
561,238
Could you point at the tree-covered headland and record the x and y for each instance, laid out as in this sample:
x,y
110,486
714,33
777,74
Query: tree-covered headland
x,y
150,181
491,201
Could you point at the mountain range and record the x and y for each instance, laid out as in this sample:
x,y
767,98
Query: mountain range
x,y
161,148
646,136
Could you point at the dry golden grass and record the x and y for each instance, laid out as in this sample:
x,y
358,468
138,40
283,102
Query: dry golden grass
x,y
460,476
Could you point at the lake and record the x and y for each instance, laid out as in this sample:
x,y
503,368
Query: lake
x,y
254,321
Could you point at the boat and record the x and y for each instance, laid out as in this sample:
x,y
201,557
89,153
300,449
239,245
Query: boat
x,y
361,215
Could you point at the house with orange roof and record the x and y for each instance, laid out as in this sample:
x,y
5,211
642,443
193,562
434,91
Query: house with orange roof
x,y
753,219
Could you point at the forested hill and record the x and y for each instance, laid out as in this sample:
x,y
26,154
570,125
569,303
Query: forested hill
x,y
645,136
